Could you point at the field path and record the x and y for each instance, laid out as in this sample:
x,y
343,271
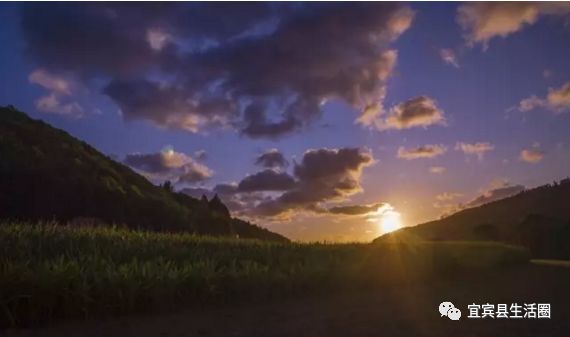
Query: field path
x,y
399,311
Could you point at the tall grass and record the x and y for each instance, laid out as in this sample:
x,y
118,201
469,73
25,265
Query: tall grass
x,y
49,271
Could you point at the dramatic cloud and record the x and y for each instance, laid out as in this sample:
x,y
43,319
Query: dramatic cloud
x,y
168,106
425,151
272,159
324,175
59,87
356,209
421,111
557,100
437,169
264,69
479,149
482,21
169,165
372,112
532,156
266,180
238,203
448,56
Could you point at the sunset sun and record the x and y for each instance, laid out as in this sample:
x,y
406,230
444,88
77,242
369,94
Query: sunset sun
x,y
387,218
390,221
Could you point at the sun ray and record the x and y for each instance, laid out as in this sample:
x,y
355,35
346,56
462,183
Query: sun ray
x,y
387,218
390,221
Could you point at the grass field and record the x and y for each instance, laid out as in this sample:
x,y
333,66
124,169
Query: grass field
x,y
49,272
410,310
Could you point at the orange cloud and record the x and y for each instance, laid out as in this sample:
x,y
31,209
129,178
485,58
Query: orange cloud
x,y
483,21
425,151
557,100
421,111
532,156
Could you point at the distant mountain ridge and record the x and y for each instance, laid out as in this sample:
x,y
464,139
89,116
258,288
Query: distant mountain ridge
x,y
46,174
537,218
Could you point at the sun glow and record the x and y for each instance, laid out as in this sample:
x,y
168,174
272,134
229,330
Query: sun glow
x,y
390,221
387,219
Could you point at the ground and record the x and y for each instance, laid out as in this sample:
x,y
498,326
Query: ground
x,y
406,310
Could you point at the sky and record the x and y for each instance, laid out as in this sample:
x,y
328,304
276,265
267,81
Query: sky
x,y
328,121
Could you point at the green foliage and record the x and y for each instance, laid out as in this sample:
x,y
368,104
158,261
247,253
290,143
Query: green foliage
x,y
47,174
50,271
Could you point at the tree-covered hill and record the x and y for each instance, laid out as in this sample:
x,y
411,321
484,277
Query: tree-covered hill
x,y
538,218
46,174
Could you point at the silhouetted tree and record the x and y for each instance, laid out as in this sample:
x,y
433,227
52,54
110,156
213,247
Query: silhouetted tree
x,y
216,205
168,186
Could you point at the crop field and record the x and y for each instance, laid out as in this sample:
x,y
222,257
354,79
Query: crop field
x,y
49,272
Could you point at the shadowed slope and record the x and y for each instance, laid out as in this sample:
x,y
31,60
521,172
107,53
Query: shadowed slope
x,y
47,174
538,219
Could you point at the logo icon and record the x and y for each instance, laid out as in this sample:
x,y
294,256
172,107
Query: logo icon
x,y
449,310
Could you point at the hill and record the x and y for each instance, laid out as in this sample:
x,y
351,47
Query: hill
x,y
46,174
538,219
